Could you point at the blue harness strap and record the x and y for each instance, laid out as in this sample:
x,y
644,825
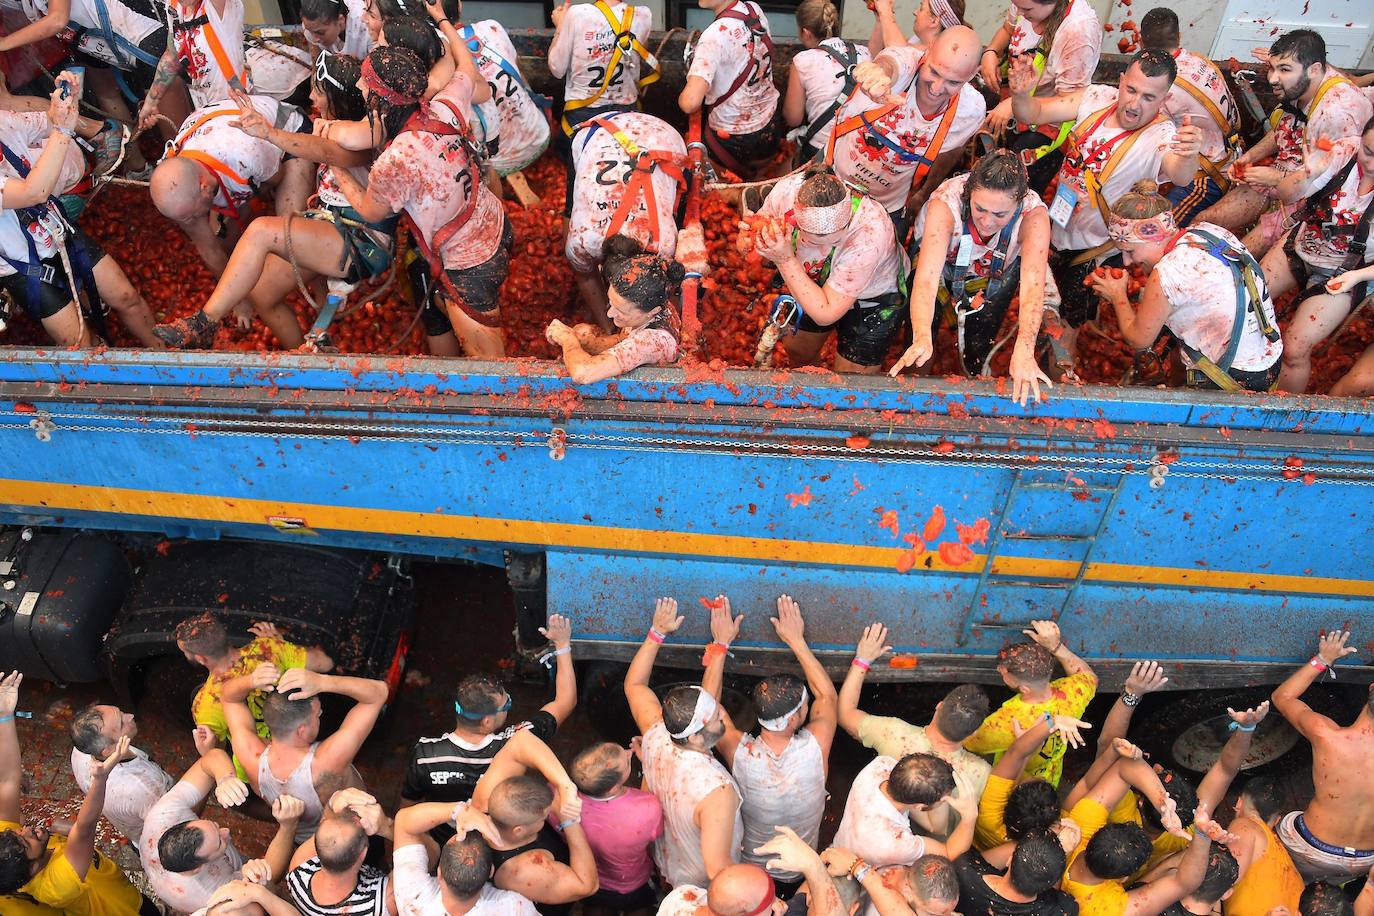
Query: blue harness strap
x,y
999,257
36,272
1244,270
904,154
476,46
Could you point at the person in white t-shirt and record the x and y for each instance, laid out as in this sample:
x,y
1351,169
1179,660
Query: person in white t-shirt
x,y
1332,237
903,132
889,795
1122,136
598,51
983,237
838,257
628,175
212,170
466,865
39,163
1203,286
702,829
641,287
1062,39
432,171
930,19
731,74
1316,102
134,785
206,45
819,77
336,26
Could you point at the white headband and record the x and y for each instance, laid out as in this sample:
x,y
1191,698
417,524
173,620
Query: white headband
x,y
778,724
945,13
824,220
706,707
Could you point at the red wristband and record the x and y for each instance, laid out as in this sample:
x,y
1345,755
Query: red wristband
x,y
1318,662
860,663
656,636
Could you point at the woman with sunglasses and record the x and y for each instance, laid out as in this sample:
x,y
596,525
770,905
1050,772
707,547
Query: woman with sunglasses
x,y
332,240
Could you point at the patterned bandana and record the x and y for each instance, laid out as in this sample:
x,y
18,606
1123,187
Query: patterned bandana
x,y
1136,231
945,13
374,82
824,220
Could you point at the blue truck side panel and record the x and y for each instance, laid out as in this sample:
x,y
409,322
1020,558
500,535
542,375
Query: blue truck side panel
x,y
1225,532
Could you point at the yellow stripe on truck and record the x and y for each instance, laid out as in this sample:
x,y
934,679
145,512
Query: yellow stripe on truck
x,y
57,497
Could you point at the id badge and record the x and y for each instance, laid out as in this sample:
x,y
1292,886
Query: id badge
x,y
964,256
1065,202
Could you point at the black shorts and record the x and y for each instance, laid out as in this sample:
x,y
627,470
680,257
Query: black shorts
x,y
1261,380
752,147
1077,303
865,331
982,327
1042,171
645,897
53,291
478,287
139,78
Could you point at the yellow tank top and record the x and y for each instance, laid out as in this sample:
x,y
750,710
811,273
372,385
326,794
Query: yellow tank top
x,y
1270,881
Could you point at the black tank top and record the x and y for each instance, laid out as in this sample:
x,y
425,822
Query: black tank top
x,y
549,841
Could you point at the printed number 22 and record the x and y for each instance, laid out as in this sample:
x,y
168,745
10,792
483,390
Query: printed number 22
x,y
598,74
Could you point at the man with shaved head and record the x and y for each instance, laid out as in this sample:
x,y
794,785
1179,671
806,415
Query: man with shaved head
x,y
749,890
905,128
328,876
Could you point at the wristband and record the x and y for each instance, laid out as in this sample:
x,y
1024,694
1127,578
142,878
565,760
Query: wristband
x,y
1237,727
547,658
1130,699
4,719
713,649
987,51
17,714
65,131
442,21
1049,719
570,822
861,871
1318,662
860,663
656,636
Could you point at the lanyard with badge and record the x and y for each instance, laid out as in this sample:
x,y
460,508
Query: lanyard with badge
x,y
1066,198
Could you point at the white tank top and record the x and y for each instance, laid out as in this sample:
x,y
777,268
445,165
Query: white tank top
x,y
681,779
300,784
780,790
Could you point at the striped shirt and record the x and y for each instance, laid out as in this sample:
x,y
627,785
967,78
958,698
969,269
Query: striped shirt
x,y
368,897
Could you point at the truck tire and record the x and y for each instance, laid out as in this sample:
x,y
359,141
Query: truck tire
x,y
1186,731
602,697
166,688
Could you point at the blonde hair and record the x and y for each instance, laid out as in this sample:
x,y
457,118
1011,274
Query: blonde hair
x,y
819,17
1142,201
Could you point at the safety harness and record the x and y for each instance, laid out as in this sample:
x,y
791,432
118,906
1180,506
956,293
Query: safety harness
x,y
867,122
758,34
855,202
1318,211
184,31
1230,132
1040,56
426,123
35,272
1094,181
639,187
963,286
1245,273
847,60
625,43
214,165
479,48
1302,116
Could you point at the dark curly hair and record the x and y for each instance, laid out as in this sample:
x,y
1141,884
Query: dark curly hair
x,y
402,71
346,103
15,868
644,280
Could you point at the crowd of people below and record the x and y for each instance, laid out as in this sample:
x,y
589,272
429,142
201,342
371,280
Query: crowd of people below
x,y
969,813
940,184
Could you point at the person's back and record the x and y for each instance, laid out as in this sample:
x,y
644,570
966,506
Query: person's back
x,y
1271,877
589,53
621,824
779,789
1025,889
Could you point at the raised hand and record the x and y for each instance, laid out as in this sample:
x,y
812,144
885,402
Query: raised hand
x,y
204,739
262,628
1203,822
266,676
1332,646
1187,139
789,623
1249,718
1126,750
873,644
257,871
287,809
559,631
1168,817
839,862
300,684
724,628
1145,677
1046,634
1070,728
103,768
571,807
9,693
1021,77
666,617
873,80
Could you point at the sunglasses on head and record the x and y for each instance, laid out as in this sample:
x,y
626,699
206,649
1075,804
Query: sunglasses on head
x,y
322,73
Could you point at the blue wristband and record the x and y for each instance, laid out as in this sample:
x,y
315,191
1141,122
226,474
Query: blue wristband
x,y
1237,727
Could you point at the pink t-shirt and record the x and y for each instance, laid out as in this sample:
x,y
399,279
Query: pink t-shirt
x,y
621,832
1341,112
1073,57
583,48
725,49
865,260
950,195
428,177
885,174
1179,103
1317,244
602,170
1144,159
822,80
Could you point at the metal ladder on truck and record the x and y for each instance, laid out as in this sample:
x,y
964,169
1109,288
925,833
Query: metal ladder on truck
x,y
986,610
